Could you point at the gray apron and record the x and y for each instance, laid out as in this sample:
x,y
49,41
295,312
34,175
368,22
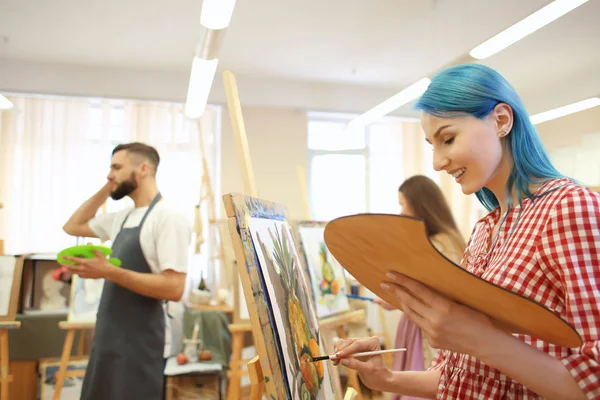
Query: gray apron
x,y
126,360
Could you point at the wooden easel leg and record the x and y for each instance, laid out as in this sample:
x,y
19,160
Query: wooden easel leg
x,y
353,379
257,379
64,361
5,378
80,344
237,345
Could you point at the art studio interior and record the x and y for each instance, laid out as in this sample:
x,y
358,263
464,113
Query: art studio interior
x,y
313,200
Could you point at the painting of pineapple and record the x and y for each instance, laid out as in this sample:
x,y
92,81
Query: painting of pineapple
x,y
293,309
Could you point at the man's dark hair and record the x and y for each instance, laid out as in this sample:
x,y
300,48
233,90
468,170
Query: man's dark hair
x,y
141,149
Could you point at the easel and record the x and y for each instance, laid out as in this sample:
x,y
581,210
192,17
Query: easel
x,y
308,216
8,322
207,194
238,331
257,382
339,322
238,334
71,328
254,366
5,377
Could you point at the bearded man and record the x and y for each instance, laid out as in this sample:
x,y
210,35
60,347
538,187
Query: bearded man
x,y
152,240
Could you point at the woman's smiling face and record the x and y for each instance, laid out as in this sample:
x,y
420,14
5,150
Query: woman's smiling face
x,y
470,149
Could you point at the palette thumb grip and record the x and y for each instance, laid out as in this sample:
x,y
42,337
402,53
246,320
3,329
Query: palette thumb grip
x,y
369,246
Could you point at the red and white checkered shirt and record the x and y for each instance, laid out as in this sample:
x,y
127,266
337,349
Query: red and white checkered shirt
x,y
552,257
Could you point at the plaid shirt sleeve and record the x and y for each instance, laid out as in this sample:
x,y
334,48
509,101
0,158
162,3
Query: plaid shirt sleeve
x,y
570,246
439,360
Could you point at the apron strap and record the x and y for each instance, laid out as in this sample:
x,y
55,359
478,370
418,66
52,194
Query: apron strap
x,y
125,220
156,199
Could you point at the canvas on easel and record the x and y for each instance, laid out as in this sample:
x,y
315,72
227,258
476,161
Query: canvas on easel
x,y
11,270
48,371
85,299
282,312
327,277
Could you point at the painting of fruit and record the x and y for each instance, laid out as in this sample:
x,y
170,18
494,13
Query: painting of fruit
x,y
293,310
328,280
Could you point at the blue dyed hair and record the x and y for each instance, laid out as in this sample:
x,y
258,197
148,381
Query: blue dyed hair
x,y
474,89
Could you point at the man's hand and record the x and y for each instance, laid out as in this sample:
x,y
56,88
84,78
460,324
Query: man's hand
x,y
78,225
91,268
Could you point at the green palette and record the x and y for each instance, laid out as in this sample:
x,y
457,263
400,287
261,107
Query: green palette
x,y
86,251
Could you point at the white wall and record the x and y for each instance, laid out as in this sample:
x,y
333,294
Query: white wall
x,y
574,145
19,76
277,140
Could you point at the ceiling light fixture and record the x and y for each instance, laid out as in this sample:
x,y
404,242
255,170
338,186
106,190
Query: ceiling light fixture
x,y
214,18
398,100
565,110
201,79
216,14
525,27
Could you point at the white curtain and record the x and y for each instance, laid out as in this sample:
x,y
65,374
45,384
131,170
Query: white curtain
x,y
55,153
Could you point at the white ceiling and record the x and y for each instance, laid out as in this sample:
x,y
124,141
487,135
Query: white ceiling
x,y
371,43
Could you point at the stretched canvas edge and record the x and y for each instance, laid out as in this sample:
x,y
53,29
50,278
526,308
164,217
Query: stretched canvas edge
x,y
15,289
240,209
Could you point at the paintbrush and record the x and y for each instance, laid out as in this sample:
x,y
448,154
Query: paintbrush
x,y
364,354
357,297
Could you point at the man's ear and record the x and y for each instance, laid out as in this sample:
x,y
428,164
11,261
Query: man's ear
x,y
144,169
503,115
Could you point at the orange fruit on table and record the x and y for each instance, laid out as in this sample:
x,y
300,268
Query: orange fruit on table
x,y
182,359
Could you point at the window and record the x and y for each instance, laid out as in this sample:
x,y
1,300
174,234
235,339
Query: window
x,y
337,169
356,171
55,153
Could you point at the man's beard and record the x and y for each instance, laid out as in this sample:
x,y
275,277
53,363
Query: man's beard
x,y
125,188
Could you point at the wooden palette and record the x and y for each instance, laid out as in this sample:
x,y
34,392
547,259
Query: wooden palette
x,y
371,245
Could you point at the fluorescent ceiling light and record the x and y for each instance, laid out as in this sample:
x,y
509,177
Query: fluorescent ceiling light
x,y
565,110
201,79
527,26
216,14
398,100
5,103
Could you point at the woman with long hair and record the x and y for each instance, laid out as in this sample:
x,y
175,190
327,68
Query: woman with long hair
x,y
420,197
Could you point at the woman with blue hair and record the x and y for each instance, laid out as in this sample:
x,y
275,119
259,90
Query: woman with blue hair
x,y
539,240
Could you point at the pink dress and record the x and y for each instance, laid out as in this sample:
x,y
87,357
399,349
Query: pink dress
x,y
419,354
